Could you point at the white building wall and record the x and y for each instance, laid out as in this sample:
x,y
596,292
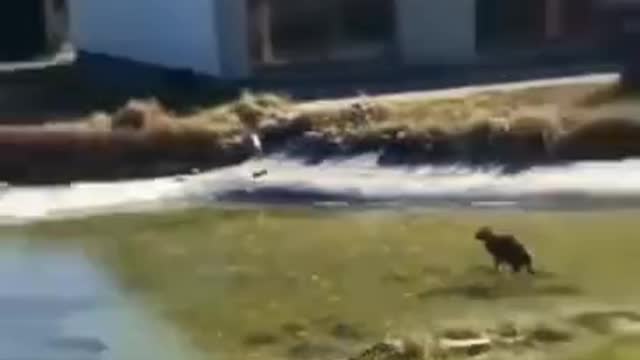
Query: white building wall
x,y
436,31
172,33
233,27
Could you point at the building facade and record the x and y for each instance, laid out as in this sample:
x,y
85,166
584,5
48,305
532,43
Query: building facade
x,y
623,27
235,39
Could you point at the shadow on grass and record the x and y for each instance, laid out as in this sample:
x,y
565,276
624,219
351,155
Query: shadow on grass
x,y
483,283
490,271
488,292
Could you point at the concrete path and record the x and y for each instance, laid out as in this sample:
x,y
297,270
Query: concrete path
x,y
65,56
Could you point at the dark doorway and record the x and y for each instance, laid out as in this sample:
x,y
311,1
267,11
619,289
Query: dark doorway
x,y
504,24
22,30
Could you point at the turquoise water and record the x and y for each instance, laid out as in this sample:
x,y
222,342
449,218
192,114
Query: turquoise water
x,y
56,303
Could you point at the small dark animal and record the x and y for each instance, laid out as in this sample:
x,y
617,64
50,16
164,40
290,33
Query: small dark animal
x,y
505,248
259,173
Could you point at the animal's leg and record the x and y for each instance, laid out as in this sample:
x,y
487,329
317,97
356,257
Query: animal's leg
x,y
516,267
530,268
496,264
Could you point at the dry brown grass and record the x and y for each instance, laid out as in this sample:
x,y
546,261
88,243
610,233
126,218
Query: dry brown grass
x,y
524,109
528,125
551,112
609,94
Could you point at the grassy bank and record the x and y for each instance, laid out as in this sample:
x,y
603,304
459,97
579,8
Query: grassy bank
x,y
307,285
519,127
552,107
531,124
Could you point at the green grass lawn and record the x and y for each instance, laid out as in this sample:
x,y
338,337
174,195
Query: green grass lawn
x,y
622,349
263,283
